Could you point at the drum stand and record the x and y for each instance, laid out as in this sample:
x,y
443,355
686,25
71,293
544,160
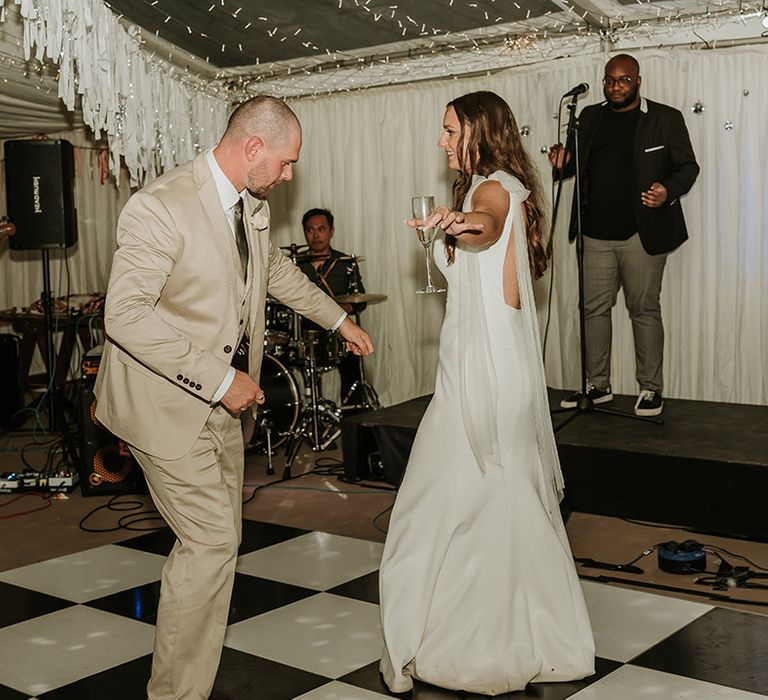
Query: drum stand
x,y
370,397
318,422
267,425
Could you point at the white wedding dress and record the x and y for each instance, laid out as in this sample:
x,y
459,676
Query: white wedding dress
x,y
478,588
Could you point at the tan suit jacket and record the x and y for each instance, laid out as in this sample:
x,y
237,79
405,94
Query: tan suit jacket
x,y
175,307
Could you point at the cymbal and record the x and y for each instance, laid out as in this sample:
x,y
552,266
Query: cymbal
x,y
359,298
307,257
294,246
359,258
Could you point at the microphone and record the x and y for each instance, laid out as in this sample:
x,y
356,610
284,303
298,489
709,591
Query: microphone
x,y
580,89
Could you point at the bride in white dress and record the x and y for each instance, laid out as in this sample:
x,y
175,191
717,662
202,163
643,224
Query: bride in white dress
x,y
478,587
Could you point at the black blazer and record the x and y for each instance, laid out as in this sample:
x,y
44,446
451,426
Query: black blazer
x,y
663,153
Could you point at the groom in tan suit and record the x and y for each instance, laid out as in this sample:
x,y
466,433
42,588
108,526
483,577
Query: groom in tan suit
x,y
190,276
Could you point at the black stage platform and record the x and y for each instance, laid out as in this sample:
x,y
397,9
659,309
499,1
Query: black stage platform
x,y
706,468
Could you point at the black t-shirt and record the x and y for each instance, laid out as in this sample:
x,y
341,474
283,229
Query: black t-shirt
x,y
610,213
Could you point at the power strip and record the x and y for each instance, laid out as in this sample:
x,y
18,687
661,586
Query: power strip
x,y
60,482
8,483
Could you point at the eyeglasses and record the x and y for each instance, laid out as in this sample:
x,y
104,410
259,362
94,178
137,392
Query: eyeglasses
x,y
623,81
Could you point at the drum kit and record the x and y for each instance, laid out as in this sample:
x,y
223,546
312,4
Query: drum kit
x,y
295,358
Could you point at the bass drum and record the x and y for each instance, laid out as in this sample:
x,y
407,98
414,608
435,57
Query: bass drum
x,y
280,411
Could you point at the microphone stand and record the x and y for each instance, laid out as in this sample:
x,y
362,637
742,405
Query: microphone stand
x,y
584,403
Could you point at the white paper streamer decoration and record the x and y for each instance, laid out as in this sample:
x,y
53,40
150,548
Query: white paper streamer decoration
x,y
154,115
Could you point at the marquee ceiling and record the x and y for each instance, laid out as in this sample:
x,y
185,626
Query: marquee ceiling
x,y
297,47
114,58
232,33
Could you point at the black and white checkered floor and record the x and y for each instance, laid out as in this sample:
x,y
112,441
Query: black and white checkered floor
x,y
304,623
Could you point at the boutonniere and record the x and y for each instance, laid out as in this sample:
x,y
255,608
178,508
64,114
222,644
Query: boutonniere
x,y
258,216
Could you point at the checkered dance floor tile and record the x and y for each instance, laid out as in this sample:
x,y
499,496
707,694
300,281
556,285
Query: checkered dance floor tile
x,y
304,623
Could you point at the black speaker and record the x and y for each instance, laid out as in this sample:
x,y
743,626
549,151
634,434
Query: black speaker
x,y
10,378
359,450
40,197
106,464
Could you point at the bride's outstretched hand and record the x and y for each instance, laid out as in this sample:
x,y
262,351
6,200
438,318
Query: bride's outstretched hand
x,y
453,222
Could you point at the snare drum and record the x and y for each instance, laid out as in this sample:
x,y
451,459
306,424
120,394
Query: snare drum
x,y
328,346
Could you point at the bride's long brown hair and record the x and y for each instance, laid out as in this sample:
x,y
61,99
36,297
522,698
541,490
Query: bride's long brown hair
x,y
489,140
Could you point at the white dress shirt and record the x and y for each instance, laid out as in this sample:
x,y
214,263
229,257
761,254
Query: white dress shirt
x,y
229,197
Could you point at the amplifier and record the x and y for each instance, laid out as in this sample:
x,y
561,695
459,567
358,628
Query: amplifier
x,y
90,361
106,464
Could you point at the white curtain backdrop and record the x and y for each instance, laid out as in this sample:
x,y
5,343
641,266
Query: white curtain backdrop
x,y
366,153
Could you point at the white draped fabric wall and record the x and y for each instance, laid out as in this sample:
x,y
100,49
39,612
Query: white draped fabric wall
x,y
366,153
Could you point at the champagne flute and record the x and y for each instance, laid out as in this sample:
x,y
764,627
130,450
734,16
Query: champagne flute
x,y
422,207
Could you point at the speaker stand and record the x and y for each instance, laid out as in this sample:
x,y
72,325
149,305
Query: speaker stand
x,y
52,398
50,343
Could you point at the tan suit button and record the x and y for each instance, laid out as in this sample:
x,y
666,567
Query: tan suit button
x,y
186,381
179,377
198,386
241,321
227,348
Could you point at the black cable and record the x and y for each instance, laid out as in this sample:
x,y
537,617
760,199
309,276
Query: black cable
x,y
383,512
674,589
119,506
713,549
628,567
331,472
658,526
551,246
334,466
259,487
328,462
327,471
126,522
45,444
366,484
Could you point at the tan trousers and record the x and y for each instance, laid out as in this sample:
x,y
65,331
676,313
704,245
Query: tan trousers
x,y
200,497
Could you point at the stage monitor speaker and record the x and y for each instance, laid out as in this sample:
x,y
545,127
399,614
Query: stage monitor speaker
x,y
39,177
10,378
358,447
106,464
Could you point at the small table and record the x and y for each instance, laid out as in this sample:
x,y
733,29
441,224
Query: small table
x,y
31,327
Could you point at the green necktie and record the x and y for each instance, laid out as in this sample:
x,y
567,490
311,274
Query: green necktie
x,y
240,237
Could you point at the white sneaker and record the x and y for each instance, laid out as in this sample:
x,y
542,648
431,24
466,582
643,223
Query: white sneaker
x,y
649,403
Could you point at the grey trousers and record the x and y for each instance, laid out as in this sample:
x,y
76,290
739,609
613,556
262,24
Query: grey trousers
x,y
609,266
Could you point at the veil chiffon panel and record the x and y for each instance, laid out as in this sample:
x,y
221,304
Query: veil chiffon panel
x,y
479,385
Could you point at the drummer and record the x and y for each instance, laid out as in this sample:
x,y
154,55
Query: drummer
x,y
336,273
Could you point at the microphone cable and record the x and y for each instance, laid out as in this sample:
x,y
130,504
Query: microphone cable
x,y
550,249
